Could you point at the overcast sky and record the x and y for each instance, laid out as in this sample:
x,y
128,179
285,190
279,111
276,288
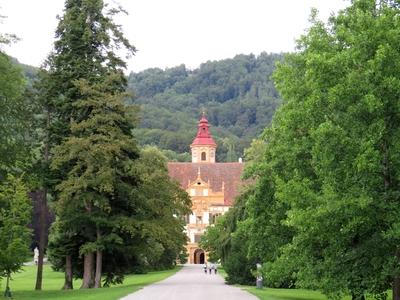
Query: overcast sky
x,y
168,33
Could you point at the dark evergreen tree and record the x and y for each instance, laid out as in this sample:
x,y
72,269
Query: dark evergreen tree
x,y
97,198
86,38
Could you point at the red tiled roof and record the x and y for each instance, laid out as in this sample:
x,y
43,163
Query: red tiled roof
x,y
204,141
203,136
216,173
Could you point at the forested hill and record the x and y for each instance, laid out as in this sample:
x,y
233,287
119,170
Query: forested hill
x,y
237,95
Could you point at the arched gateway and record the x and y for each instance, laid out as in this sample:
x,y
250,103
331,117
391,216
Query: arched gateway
x,y
199,256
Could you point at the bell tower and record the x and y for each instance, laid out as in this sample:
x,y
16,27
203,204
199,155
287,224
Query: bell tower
x,y
203,146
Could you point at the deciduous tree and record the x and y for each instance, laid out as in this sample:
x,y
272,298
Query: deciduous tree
x,y
334,151
15,215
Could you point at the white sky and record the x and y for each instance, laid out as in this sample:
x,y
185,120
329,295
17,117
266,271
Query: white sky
x,y
168,33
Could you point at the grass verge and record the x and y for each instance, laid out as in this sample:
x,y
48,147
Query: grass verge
x,y
280,294
23,283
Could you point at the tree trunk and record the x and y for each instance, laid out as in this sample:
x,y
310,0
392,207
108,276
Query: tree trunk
x,y
68,273
99,262
99,259
7,292
43,212
87,281
396,288
42,237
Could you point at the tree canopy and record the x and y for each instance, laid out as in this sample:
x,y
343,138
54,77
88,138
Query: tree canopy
x,y
324,213
15,215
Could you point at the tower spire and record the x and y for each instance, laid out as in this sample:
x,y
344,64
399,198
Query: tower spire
x,y
203,146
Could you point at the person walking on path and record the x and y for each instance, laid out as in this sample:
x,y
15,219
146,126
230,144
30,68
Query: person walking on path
x,y
205,268
209,269
215,269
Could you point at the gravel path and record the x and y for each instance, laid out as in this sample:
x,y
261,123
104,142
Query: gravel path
x,y
191,283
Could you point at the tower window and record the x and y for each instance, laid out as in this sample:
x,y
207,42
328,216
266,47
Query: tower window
x,y
203,156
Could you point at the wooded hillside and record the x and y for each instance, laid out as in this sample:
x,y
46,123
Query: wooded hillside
x,y
237,95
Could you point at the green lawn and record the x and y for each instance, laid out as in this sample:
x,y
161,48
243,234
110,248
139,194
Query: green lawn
x,y
23,284
281,294
285,294
293,294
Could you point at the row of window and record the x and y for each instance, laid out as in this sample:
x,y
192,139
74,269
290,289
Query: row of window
x,y
212,218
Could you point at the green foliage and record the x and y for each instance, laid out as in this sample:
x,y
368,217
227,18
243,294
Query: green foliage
x,y
96,198
322,212
95,174
177,157
215,239
288,294
138,216
164,204
228,241
30,73
86,37
15,118
237,264
323,203
237,94
15,215
340,118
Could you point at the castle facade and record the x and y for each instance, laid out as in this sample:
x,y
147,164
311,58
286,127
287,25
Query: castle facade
x,y
212,187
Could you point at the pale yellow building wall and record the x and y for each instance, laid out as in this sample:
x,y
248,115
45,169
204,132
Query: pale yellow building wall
x,y
204,203
197,151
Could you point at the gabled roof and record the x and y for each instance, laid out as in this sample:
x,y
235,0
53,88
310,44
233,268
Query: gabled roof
x,y
219,174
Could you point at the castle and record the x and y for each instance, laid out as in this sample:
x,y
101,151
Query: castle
x,y
212,187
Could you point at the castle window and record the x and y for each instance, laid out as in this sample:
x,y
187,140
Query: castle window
x,y
203,156
213,217
186,218
197,238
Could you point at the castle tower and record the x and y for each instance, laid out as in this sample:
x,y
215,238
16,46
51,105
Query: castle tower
x,y
203,146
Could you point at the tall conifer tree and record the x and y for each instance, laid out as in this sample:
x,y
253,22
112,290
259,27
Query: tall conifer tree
x,y
97,196
86,37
